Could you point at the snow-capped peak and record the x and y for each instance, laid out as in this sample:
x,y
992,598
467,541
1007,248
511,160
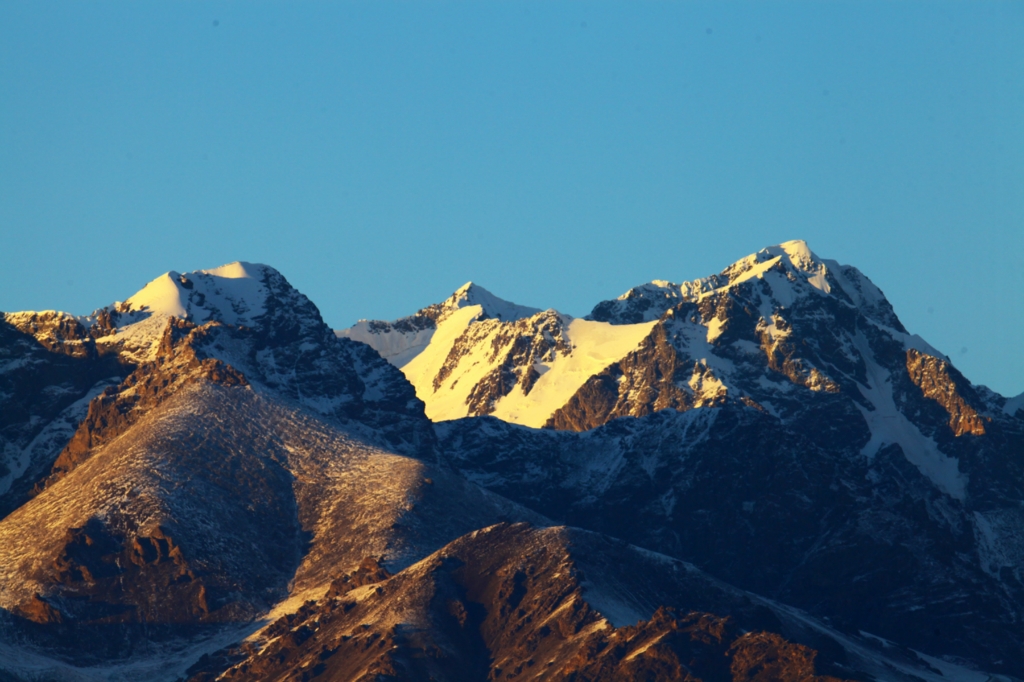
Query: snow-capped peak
x,y
233,293
400,341
795,258
493,307
790,270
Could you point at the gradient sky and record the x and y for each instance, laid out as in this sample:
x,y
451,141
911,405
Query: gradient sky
x,y
382,154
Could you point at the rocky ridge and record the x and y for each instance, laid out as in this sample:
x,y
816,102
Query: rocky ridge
x,y
512,602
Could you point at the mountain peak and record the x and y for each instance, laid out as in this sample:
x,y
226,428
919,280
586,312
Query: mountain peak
x,y
797,250
466,288
400,341
790,270
792,257
493,307
234,293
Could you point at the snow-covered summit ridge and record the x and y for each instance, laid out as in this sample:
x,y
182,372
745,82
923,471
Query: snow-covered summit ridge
x,y
492,306
234,294
792,257
791,271
403,339
237,294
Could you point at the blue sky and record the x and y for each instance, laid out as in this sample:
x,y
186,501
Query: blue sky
x,y
382,154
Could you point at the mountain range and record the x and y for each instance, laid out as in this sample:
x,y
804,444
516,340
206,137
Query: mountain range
x,y
756,475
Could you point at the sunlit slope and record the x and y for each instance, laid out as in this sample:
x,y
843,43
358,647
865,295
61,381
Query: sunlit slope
x,y
475,354
216,505
238,467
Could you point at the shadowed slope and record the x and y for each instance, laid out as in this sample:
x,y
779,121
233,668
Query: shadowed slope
x,y
514,603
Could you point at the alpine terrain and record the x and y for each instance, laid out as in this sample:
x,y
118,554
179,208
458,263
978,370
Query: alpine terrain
x,y
759,475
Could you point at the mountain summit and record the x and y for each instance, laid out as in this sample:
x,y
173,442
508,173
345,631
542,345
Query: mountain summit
x,y
787,271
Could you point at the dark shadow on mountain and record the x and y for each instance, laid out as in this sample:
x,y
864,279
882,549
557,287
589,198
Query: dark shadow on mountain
x,y
49,365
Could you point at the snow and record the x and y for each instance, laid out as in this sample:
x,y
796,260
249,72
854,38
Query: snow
x,y
169,661
999,536
877,656
795,254
617,611
233,294
800,256
952,672
596,345
474,294
397,347
421,370
401,347
889,425
163,296
53,437
858,287
705,385
714,329
1014,404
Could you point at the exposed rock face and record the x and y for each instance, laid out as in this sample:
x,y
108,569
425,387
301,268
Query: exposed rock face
x,y
514,603
514,349
98,561
653,377
117,408
941,382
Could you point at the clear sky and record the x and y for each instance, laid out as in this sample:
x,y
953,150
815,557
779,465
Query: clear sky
x,y
382,154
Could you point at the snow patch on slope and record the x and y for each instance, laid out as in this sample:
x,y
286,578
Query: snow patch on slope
x,y
1014,404
52,438
395,346
596,345
888,425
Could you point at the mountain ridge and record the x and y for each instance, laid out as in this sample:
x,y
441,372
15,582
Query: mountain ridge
x,y
227,456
